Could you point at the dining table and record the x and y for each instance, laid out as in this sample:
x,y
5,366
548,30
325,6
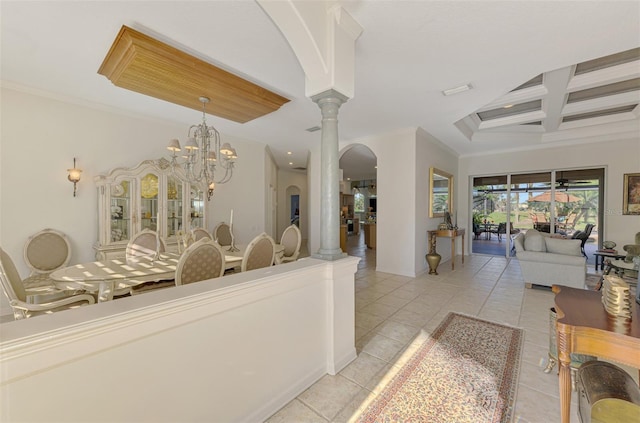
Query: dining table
x,y
106,277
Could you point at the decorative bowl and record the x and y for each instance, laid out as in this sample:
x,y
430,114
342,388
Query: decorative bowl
x,y
608,244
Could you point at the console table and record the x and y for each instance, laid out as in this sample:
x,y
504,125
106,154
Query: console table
x,y
447,233
584,327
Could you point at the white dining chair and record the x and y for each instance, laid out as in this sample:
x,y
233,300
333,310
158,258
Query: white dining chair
x,y
17,295
290,240
202,260
45,252
201,233
146,244
259,253
222,235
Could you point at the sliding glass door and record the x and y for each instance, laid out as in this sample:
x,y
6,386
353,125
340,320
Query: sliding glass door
x,y
562,202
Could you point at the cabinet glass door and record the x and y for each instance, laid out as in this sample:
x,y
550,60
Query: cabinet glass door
x,y
197,207
149,202
120,209
174,206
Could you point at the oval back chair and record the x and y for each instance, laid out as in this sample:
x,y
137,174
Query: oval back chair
x,y
290,240
259,253
201,233
222,234
47,251
203,260
146,244
17,295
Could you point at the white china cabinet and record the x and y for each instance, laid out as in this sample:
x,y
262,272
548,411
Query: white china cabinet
x,y
151,195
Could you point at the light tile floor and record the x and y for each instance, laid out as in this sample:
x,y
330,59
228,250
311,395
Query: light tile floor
x,y
392,310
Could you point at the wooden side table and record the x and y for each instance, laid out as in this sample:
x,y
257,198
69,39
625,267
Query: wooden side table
x,y
584,327
448,233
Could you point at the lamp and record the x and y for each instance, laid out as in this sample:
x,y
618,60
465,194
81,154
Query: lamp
x,y
74,175
203,153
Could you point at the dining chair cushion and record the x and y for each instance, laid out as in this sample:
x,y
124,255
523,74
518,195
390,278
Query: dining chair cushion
x,y
146,244
202,260
222,234
291,240
260,253
46,251
200,233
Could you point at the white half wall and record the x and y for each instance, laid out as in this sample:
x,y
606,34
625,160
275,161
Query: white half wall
x,y
230,349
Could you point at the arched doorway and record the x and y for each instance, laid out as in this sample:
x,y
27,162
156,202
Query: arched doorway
x,y
293,205
359,197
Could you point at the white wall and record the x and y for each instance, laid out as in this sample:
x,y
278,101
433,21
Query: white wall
x,y
270,195
432,153
618,157
40,136
396,218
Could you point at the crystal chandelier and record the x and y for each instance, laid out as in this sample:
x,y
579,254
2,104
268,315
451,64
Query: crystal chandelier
x,y
203,154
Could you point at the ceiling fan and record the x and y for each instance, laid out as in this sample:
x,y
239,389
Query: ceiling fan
x,y
562,183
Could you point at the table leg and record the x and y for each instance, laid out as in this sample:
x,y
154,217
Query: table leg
x,y
564,380
462,248
453,252
105,292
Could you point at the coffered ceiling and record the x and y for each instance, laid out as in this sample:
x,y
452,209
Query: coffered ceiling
x,y
600,91
409,53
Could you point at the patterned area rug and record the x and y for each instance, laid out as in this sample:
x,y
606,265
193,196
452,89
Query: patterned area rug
x,y
465,371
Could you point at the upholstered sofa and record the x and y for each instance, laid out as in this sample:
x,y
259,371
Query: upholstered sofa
x,y
546,260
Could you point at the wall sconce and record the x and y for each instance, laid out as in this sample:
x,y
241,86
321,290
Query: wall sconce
x,y
74,175
212,186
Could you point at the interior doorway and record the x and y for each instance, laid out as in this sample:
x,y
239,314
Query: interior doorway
x,y
562,202
358,195
294,209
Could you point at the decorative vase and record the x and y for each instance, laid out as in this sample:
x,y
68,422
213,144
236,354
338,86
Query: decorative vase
x,y
433,259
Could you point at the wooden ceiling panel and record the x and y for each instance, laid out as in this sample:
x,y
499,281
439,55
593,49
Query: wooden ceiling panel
x,y
145,65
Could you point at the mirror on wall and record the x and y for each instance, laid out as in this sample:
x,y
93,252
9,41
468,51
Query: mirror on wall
x,y
440,192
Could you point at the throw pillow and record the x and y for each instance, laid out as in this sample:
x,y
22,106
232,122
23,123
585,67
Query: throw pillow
x,y
533,241
569,247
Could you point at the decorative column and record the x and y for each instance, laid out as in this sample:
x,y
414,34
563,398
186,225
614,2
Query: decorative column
x,y
329,102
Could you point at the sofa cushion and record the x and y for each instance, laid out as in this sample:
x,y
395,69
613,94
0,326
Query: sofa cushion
x,y
534,241
570,247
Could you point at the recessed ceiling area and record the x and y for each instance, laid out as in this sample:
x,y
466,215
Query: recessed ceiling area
x,y
599,91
